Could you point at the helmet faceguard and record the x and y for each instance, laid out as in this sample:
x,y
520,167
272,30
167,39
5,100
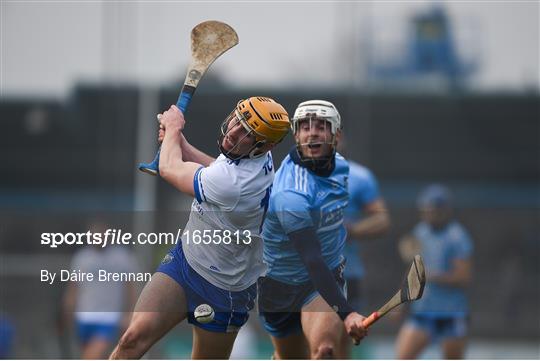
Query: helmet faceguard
x,y
263,119
315,116
233,153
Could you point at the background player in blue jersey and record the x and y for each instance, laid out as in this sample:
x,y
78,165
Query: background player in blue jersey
x,y
366,217
442,312
302,298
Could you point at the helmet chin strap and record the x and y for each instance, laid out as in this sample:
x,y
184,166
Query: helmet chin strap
x,y
318,163
256,147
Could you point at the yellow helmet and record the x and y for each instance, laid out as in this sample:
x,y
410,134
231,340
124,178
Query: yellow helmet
x,y
262,117
267,118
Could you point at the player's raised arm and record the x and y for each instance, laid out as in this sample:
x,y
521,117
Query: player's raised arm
x,y
458,276
375,223
172,167
193,154
189,152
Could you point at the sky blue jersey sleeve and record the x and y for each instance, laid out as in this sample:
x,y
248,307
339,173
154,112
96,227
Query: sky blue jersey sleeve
x,y
462,247
293,211
364,190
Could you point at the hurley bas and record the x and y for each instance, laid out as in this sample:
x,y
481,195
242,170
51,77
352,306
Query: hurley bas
x,y
99,276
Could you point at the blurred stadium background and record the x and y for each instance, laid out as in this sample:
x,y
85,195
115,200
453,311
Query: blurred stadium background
x,y
429,91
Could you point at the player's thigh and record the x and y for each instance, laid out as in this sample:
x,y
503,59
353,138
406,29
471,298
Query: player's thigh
x,y
345,346
321,325
212,345
410,342
161,305
290,347
453,332
453,348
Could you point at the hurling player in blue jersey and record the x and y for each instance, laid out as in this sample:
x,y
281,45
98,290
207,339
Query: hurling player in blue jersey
x,y
441,314
302,298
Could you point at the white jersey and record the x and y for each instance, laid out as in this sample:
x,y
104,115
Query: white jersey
x,y
231,198
99,301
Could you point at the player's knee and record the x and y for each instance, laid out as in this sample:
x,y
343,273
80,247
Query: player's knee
x,y
132,339
324,352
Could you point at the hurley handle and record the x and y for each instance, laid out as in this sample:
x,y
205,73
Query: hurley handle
x,y
183,102
370,320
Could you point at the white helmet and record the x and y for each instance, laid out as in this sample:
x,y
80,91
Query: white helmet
x,y
318,109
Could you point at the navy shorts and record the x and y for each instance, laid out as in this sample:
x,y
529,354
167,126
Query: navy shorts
x,y
440,327
280,304
91,330
231,309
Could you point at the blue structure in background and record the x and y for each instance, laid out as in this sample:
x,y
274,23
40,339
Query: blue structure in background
x,y
430,51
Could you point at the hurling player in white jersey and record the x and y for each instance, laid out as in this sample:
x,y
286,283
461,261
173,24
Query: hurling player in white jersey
x,y
231,196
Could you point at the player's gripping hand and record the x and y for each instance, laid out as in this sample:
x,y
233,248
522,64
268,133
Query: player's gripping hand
x,y
354,328
161,134
409,247
161,131
172,119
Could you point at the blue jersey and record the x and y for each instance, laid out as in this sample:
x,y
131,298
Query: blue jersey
x,y
439,249
301,199
363,190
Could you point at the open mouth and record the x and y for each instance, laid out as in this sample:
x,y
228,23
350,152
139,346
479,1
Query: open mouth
x,y
314,146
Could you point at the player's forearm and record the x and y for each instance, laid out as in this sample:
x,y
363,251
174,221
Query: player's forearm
x,y
308,247
68,306
192,154
459,276
326,285
70,297
373,226
171,152
172,168
452,279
